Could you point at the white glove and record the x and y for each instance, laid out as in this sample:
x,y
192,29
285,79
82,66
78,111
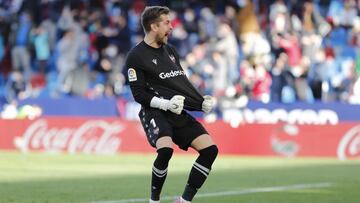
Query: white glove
x,y
207,104
175,104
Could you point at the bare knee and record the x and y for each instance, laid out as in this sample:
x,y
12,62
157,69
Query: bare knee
x,y
202,142
164,141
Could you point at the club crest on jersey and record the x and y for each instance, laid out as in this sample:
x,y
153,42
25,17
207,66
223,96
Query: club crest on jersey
x,y
132,75
172,57
154,61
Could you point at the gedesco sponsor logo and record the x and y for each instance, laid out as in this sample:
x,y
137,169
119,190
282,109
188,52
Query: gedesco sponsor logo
x,y
94,136
171,74
349,146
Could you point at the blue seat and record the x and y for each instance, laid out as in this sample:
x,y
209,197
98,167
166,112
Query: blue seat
x,y
348,52
337,37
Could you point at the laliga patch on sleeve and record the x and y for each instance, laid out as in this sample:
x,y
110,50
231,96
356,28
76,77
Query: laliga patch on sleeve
x,y
132,75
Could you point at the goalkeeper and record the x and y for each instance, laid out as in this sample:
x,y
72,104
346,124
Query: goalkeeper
x,y
159,84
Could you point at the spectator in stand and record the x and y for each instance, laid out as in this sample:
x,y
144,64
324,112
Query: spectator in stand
x,y
261,84
319,74
17,87
178,35
197,60
49,28
230,19
314,28
280,79
252,40
207,24
118,34
40,39
247,75
278,15
133,21
66,20
191,27
220,73
289,42
248,26
20,54
348,14
68,52
227,46
247,20
354,34
332,66
303,91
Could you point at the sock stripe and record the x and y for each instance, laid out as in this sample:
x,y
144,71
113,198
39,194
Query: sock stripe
x,y
159,173
201,171
202,167
160,176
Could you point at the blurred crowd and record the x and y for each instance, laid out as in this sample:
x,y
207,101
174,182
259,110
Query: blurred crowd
x,y
236,50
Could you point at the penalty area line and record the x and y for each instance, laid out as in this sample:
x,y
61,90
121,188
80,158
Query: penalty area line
x,y
231,193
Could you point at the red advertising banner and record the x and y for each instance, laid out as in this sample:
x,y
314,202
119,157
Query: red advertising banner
x,y
112,135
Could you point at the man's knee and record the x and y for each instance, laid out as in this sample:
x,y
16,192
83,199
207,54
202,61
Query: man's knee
x,y
211,152
165,154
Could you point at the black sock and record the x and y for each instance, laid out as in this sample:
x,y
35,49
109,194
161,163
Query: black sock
x,y
159,171
200,171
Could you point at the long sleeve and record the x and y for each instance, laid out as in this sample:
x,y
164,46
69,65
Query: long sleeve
x,y
137,81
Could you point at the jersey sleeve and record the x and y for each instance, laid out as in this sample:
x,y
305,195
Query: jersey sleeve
x,y
136,80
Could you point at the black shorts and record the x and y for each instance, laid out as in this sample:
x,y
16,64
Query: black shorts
x,y
183,128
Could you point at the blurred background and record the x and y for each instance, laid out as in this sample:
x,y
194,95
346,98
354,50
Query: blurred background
x,y
237,50
284,73
284,63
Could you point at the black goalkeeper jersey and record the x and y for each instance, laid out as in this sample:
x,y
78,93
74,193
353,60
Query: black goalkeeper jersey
x,y
157,72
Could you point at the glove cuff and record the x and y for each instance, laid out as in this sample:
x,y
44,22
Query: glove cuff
x,y
159,103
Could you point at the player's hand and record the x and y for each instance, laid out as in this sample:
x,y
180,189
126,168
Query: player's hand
x,y
207,104
176,104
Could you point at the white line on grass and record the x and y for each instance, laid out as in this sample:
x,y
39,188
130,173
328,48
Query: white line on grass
x,y
231,193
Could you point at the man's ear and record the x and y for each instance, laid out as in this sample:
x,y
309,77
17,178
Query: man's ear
x,y
154,27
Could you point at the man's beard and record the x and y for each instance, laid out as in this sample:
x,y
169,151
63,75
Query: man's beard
x,y
160,40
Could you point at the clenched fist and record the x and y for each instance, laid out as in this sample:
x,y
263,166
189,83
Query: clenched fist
x,y
207,104
176,104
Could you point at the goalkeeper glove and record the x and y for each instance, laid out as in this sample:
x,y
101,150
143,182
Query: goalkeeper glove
x,y
175,104
207,104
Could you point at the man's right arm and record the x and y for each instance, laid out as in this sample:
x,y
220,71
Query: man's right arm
x,y
136,80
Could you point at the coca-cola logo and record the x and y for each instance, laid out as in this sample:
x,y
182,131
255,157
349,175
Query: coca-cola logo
x,y
282,141
349,145
92,136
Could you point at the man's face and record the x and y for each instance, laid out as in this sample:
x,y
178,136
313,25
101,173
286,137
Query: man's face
x,y
163,30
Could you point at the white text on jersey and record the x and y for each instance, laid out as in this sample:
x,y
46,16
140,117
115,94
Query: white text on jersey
x,y
171,74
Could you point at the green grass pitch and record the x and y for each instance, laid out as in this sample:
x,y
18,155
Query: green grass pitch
x,y
49,178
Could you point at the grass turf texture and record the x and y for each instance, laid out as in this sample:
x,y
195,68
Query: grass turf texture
x,y
46,178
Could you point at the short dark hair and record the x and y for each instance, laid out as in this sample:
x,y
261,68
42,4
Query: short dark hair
x,y
151,14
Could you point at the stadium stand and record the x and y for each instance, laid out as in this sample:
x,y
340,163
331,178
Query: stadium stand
x,y
306,51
